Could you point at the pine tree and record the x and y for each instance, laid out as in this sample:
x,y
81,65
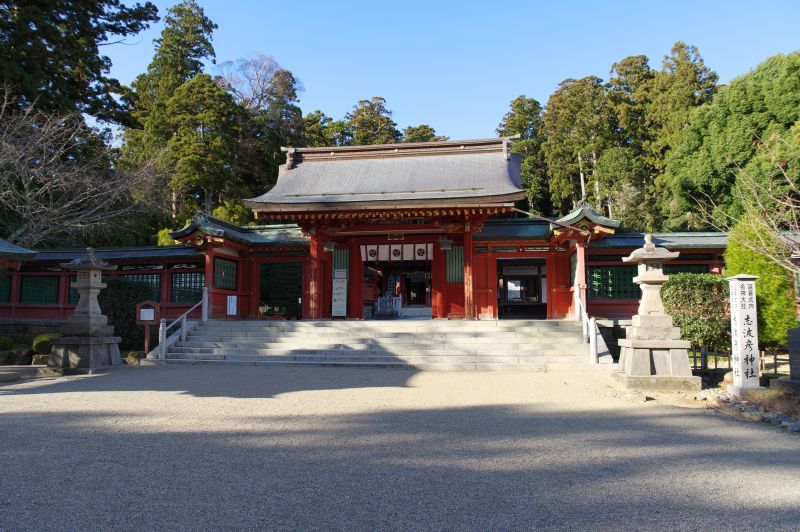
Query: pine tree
x,y
421,133
203,149
578,124
525,119
50,53
371,122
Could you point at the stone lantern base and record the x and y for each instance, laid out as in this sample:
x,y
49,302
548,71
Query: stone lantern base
x,y
84,354
654,358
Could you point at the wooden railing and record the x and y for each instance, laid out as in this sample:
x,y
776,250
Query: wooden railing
x,y
184,326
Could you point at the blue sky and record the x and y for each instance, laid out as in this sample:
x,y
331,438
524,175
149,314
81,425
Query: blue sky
x,y
456,65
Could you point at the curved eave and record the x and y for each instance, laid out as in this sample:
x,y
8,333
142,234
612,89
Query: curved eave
x,y
505,200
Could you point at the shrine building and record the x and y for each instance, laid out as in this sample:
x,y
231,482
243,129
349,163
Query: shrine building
x,y
420,230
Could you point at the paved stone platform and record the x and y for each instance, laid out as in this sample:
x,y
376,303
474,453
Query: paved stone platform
x,y
295,448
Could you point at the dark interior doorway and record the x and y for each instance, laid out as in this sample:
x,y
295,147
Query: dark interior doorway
x,y
522,289
281,289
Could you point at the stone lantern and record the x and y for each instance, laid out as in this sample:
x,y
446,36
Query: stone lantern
x,y
653,356
88,342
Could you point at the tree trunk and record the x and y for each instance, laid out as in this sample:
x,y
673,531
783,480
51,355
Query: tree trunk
x,y
174,204
583,182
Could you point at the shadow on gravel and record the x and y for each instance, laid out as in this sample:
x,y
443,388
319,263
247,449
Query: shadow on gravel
x,y
223,381
470,468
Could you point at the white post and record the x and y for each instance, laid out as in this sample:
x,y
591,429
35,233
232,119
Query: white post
x,y
592,341
184,329
745,358
204,306
576,295
162,339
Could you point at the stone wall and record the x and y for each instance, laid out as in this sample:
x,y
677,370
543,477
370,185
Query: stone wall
x,y
24,331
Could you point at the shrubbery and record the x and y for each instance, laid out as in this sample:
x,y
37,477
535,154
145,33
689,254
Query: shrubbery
x,y
43,343
698,304
774,288
118,302
6,343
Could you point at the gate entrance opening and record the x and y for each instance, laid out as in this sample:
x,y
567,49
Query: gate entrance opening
x,y
281,290
522,288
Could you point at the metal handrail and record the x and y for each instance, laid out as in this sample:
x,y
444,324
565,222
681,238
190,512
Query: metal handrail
x,y
165,341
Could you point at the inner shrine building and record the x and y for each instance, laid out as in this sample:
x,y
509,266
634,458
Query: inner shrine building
x,y
421,230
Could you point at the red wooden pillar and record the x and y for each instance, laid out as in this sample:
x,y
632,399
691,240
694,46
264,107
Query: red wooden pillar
x,y
355,284
469,301
580,272
209,275
165,292
315,289
16,288
255,285
438,283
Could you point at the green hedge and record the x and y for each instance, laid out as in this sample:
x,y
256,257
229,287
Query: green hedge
x,y
698,304
6,343
118,302
775,298
43,343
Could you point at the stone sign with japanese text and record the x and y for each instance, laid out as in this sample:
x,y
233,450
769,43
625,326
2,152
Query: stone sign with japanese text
x,y
744,334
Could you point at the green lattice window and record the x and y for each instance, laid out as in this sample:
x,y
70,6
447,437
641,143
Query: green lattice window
x,y
670,269
224,273
153,280
612,282
454,258
73,294
5,289
187,287
39,289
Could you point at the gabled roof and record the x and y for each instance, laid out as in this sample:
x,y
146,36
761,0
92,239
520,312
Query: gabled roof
x,y
427,174
259,235
11,251
585,210
704,240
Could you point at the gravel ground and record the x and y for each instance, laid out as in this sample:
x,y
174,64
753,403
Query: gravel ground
x,y
211,447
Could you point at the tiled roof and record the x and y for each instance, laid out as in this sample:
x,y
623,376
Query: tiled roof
x,y
584,209
13,252
264,235
433,174
707,240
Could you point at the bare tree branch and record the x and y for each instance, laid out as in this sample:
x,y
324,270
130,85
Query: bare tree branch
x,y
57,177
770,206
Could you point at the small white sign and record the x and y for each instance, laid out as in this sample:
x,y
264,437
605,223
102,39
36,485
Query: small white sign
x,y
744,332
147,314
340,274
232,305
339,303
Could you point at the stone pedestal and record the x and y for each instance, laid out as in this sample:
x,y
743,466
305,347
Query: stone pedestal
x,y
85,353
653,356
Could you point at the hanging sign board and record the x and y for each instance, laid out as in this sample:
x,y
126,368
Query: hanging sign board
x,y
744,334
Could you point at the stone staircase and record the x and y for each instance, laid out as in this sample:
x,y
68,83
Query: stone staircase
x,y
529,345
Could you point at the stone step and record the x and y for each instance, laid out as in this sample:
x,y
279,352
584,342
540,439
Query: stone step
x,y
357,343
428,359
515,367
231,351
383,335
392,325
